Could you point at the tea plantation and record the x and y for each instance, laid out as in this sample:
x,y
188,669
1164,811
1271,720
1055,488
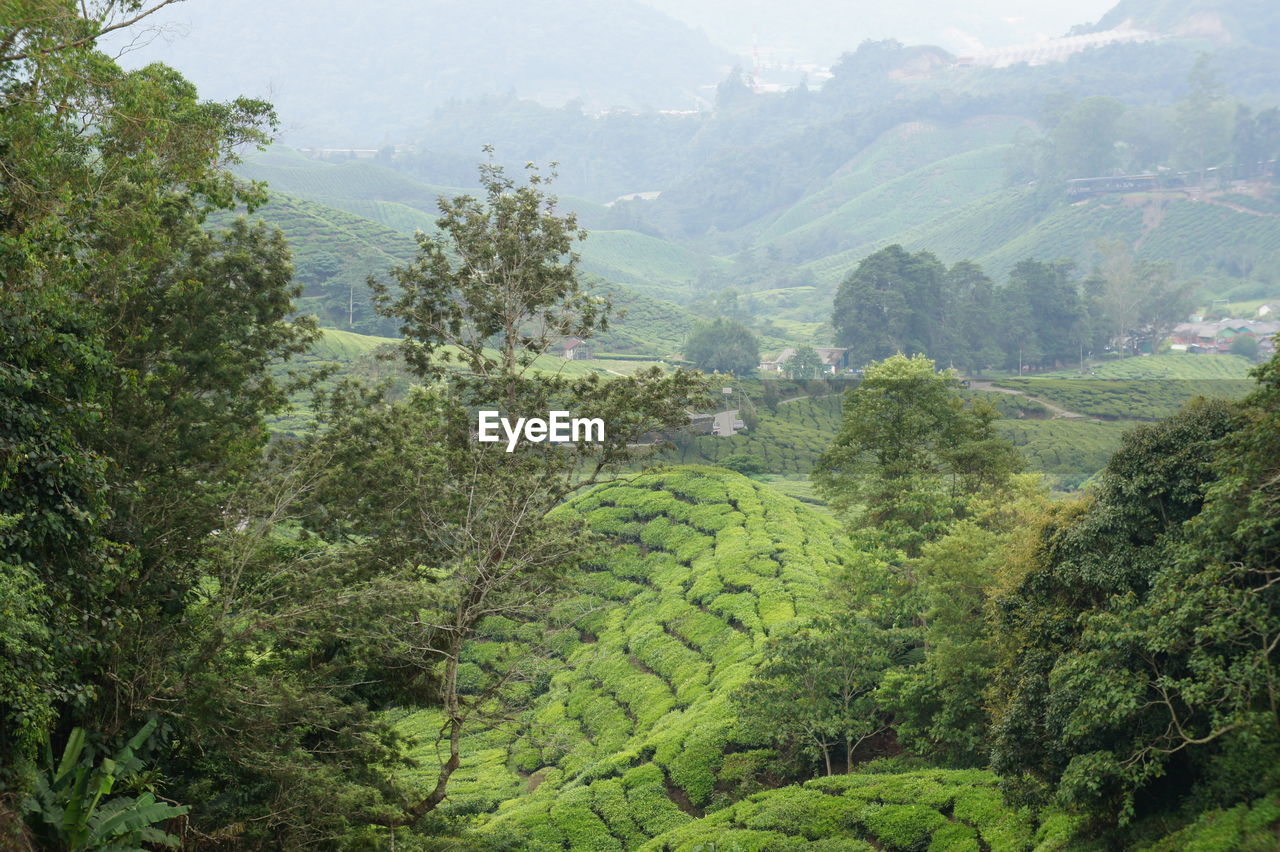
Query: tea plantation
x,y
634,733
936,809
787,441
630,742
1146,388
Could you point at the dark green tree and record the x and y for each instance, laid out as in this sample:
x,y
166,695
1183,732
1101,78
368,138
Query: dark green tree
x,y
1044,313
815,690
974,323
893,302
1075,703
723,346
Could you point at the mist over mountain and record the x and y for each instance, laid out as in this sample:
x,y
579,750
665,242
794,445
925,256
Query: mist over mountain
x,y
344,79
1220,22
821,30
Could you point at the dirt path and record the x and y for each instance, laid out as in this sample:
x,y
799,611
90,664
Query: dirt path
x,y
1057,411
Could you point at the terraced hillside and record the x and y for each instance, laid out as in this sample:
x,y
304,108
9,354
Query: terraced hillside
x,y
634,736
928,185
787,441
630,745
1145,388
936,809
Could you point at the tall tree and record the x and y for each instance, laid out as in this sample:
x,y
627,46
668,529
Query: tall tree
x,y
1071,708
910,451
1139,301
974,324
488,294
893,302
1045,297
108,179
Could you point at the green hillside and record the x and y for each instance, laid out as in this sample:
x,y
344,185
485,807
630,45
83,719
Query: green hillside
x,y
787,441
339,242
631,744
957,811
900,151
634,732
652,265
645,326
1144,388
291,172
334,253
927,185
879,215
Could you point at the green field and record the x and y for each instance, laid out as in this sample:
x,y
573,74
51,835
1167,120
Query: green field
x,y
1141,388
907,148
1065,447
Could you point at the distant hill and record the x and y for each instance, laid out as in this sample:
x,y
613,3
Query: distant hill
x,y
820,30
341,231
343,75
1218,21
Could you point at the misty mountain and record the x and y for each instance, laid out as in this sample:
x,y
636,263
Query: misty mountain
x,y
1222,22
359,76
821,30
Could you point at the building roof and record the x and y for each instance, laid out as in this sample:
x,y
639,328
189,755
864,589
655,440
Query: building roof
x,y
571,343
1211,330
830,354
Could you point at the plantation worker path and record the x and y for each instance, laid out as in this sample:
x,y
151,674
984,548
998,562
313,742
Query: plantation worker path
x,y
1057,411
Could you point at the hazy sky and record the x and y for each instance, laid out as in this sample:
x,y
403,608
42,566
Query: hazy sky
x,y
339,78
822,29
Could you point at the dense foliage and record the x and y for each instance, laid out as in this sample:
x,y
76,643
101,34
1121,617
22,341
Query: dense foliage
x,y
1045,315
723,346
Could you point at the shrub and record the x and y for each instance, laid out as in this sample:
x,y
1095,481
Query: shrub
x,y
904,827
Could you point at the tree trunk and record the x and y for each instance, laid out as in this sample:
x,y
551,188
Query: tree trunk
x,y
454,723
